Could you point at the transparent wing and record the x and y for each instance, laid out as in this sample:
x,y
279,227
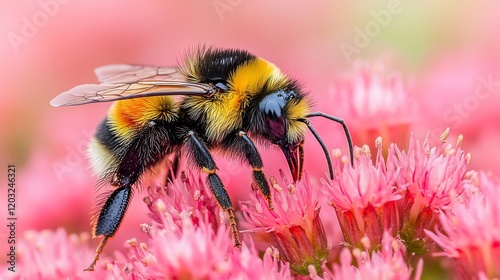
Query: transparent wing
x,y
123,81
126,73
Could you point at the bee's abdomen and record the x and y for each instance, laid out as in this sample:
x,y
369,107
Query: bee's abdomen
x,y
146,125
102,148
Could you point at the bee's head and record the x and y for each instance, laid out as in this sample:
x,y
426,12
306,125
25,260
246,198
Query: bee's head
x,y
280,111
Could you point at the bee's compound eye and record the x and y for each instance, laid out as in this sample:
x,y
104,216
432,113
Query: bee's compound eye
x,y
274,119
221,86
272,109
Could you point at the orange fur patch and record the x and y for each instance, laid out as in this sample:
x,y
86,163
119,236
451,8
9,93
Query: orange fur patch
x,y
127,115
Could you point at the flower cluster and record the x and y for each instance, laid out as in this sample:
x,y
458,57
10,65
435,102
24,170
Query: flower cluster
x,y
399,196
388,263
388,208
58,255
294,223
470,230
432,179
186,197
188,239
377,102
364,197
197,252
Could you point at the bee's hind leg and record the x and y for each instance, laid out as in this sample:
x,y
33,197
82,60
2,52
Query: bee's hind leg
x,y
110,218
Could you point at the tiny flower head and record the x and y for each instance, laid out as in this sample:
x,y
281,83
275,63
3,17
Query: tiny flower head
x,y
189,252
188,195
57,255
198,252
246,264
364,196
375,102
470,231
295,223
388,263
432,177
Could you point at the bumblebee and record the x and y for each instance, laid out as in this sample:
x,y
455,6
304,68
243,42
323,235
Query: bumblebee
x,y
222,99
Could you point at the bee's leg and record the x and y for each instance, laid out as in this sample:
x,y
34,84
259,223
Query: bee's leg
x,y
253,157
301,159
112,212
139,156
110,218
204,160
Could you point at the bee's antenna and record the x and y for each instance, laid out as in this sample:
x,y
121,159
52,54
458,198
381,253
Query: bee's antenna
x,y
346,131
325,150
323,146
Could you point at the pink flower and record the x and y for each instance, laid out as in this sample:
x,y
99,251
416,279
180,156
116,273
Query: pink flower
x,y
57,255
295,223
432,178
388,263
188,240
470,231
66,200
364,196
188,195
375,102
70,195
471,101
246,260
182,251
192,251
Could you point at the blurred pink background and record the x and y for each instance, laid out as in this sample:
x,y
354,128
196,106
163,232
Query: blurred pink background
x,y
444,51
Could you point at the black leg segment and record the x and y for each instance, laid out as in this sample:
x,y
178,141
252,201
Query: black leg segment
x,y
133,157
110,218
112,212
203,159
222,197
200,153
253,157
301,159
